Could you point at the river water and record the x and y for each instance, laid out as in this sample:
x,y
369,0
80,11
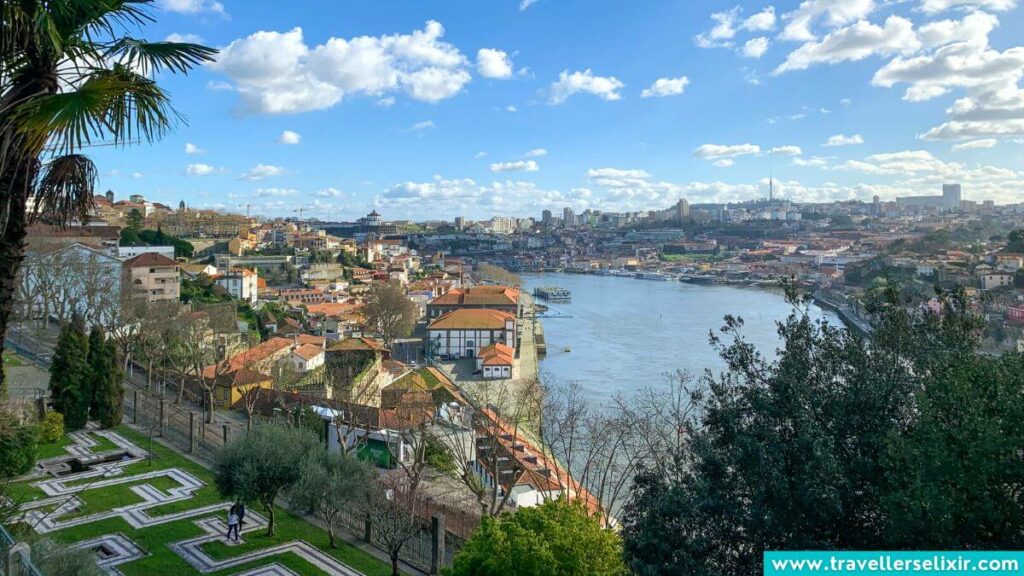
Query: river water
x,y
625,333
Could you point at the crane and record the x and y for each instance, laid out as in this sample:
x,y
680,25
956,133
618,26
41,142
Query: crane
x,y
302,211
247,207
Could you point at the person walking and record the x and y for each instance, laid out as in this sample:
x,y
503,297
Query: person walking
x,y
233,522
240,510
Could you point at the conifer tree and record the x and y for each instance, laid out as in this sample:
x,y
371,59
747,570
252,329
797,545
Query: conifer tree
x,y
69,374
107,382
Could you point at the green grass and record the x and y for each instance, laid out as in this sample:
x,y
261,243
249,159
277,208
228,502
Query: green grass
x,y
54,449
12,359
155,540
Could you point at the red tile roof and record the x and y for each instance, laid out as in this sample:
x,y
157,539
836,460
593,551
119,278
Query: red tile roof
x,y
149,260
472,319
308,351
479,296
497,354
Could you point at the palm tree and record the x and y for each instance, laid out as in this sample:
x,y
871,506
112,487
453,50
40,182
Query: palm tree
x,y
70,75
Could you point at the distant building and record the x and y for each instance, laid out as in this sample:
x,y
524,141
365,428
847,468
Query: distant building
x,y
568,217
241,283
949,200
546,219
502,298
460,223
132,251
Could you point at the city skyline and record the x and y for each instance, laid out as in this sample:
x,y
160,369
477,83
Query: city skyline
x,y
534,105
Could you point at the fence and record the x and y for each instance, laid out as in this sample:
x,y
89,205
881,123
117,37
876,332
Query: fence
x,y
15,558
178,424
427,550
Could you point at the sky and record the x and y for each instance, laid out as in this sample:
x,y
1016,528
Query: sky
x,y
434,109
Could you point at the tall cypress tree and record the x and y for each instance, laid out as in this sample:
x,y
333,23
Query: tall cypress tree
x,y
69,374
98,363
108,385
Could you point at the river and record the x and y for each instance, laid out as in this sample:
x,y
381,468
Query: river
x,y
624,333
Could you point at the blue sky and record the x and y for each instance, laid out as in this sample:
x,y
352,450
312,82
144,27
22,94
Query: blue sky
x,y
442,108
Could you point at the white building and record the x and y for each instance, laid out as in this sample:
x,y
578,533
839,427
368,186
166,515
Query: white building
x,y
462,333
307,357
125,252
241,283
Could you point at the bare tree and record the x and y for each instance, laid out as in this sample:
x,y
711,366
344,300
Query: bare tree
x,y
393,506
389,313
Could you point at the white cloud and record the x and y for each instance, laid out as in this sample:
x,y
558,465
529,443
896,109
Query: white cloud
x,y
186,38
724,162
220,86
386,102
855,42
193,6
515,166
666,87
717,151
274,192
480,154
755,47
330,193
524,4
289,137
492,63
199,169
831,13
191,149
510,108
786,151
723,31
933,6
844,140
261,171
763,21
276,72
604,87
536,152
813,161
976,144
423,125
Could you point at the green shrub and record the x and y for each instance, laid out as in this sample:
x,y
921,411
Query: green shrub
x,y
51,428
18,447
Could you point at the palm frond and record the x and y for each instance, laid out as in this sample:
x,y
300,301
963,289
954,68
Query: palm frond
x,y
116,104
151,57
65,189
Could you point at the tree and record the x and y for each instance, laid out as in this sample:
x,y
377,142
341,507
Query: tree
x,y
791,452
69,375
393,506
49,111
1016,241
106,380
389,313
954,473
329,484
263,464
55,559
555,538
18,444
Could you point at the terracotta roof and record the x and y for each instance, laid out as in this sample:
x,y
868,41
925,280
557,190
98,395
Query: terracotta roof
x,y
330,308
317,341
308,351
472,319
479,296
45,230
253,355
497,354
429,380
241,377
149,260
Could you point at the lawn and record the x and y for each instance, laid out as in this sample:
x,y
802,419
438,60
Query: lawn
x,y
12,359
154,540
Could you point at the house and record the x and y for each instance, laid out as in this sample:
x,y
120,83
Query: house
x,y
194,270
1015,314
433,382
61,281
355,366
501,298
307,357
241,283
231,387
996,279
132,251
495,361
462,333
155,276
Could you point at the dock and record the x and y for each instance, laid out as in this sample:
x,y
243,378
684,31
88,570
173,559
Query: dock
x,y
552,293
